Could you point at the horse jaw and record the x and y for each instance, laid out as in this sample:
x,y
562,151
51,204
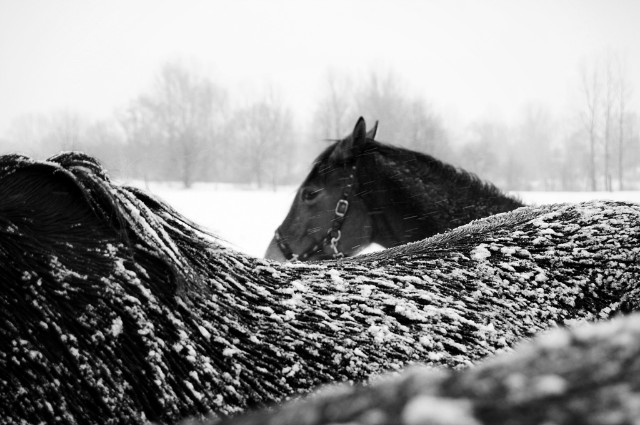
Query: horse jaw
x,y
273,252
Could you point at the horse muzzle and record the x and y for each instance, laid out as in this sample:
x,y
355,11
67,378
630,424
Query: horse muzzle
x,y
274,252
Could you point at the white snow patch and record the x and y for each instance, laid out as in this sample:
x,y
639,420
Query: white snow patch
x,y
299,286
508,250
195,393
426,340
205,333
553,340
266,309
425,409
436,356
539,240
480,253
291,371
541,277
547,385
410,279
116,326
346,315
358,352
335,276
230,351
380,333
268,269
524,253
322,314
366,290
486,329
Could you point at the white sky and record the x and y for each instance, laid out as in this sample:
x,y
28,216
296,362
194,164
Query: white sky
x,y
470,58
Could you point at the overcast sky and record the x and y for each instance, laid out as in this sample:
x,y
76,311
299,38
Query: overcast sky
x,y
470,58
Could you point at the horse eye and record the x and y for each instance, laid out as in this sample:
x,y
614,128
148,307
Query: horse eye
x,y
310,194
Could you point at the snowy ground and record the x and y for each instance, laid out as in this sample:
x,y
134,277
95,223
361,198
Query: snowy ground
x,y
246,217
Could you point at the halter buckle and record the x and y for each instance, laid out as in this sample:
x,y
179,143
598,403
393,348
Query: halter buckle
x,y
341,207
334,243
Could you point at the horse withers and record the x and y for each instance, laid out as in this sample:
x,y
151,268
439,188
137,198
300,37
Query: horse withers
x,y
361,191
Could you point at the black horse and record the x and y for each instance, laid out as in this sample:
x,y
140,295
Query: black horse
x,y
115,309
360,191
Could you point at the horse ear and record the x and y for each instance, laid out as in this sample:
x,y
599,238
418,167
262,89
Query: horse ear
x,y
371,134
349,147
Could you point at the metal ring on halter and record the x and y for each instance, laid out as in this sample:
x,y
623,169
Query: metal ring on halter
x,y
341,207
334,244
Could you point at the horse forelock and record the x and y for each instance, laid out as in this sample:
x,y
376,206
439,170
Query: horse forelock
x,y
325,162
322,165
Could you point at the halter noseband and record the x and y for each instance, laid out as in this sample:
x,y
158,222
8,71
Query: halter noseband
x,y
333,234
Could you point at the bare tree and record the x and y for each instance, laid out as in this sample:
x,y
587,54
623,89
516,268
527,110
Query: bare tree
x,y
604,113
105,140
608,105
591,89
485,152
26,135
571,159
335,109
62,130
142,138
185,105
381,98
424,130
532,150
65,132
407,119
264,131
624,93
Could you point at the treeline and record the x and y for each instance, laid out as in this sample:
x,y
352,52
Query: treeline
x,y
593,145
184,128
187,127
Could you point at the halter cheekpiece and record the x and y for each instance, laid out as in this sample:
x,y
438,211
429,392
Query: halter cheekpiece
x,y
333,234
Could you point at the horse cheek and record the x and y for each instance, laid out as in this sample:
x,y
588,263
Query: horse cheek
x,y
358,229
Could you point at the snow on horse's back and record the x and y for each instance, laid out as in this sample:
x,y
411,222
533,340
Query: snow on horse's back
x,y
115,308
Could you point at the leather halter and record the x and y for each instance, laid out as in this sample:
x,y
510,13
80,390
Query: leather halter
x,y
333,234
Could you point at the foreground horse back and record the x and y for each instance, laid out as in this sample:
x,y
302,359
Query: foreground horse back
x,y
116,309
588,374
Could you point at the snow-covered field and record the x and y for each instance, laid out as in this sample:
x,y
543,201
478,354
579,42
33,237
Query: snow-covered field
x,y
246,217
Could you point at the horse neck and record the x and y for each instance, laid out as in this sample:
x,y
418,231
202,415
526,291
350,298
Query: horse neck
x,y
413,198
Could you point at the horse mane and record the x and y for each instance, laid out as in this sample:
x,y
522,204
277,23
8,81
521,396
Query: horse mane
x,y
425,166
416,162
410,172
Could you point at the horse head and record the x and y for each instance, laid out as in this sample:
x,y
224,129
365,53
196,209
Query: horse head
x,y
361,191
327,219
